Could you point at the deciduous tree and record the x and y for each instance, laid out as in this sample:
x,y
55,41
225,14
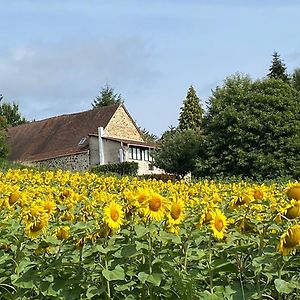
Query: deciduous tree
x,y
252,129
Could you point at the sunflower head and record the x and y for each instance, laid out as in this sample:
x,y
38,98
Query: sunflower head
x,y
113,215
14,197
156,207
176,212
63,233
293,210
294,192
218,224
289,240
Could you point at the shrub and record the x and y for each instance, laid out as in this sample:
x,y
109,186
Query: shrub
x,y
124,168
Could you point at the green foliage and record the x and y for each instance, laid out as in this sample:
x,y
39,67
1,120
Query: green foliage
x,y
296,79
148,136
278,68
11,113
252,129
123,168
178,152
191,112
107,97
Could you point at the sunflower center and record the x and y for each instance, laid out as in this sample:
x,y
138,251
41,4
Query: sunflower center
x,y
175,211
114,214
258,194
14,196
219,224
37,226
142,198
155,204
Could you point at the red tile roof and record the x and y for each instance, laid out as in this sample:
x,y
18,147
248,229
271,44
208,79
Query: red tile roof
x,y
57,136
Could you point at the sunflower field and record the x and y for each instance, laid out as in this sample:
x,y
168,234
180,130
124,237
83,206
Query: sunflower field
x,y
70,235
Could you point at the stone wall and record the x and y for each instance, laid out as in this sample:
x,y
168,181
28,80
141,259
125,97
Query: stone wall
x,y
122,126
78,162
146,167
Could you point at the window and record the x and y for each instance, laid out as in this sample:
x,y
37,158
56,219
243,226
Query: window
x,y
81,142
139,153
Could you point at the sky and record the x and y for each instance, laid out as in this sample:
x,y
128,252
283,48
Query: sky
x,y
56,56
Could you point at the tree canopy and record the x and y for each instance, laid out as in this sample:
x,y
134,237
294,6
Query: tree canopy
x,y
178,152
252,129
107,97
296,79
191,112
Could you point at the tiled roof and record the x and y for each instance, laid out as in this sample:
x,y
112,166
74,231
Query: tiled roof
x,y
132,142
57,136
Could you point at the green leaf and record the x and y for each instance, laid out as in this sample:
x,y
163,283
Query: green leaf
x,y
140,246
142,276
128,250
4,258
140,230
283,287
124,287
222,265
94,291
155,278
116,274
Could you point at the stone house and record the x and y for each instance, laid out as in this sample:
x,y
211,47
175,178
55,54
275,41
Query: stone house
x,y
81,140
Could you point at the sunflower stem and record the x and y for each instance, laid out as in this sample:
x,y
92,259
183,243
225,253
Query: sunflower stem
x,y
107,281
210,265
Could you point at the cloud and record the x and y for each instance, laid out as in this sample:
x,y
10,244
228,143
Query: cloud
x,y
54,78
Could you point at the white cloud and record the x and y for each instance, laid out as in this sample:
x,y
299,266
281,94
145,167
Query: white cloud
x,y
50,79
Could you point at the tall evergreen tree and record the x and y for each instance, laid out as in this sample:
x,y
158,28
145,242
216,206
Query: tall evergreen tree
x,y
107,97
278,68
191,114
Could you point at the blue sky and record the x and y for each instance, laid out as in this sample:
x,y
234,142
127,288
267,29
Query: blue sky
x,y
55,56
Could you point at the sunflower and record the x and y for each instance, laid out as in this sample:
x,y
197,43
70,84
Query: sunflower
x,y
49,206
289,240
218,224
63,233
176,212
35,229
293,211
156,207
14,197
293,192
113,215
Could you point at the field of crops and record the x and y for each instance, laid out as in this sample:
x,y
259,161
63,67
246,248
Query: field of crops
x,y
81,236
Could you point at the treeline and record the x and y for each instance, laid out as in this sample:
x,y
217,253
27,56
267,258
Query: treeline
x,y
251,129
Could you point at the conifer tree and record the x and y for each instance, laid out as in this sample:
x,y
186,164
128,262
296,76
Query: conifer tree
x,y
278,69
107,97
191,114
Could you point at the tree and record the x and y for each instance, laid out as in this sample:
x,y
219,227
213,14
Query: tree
x,y
11,113
148,136
178,152
296,79
191,112
252,129
278,68
107,97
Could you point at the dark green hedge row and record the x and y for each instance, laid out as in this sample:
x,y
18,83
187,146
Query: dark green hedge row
x,y
124,168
